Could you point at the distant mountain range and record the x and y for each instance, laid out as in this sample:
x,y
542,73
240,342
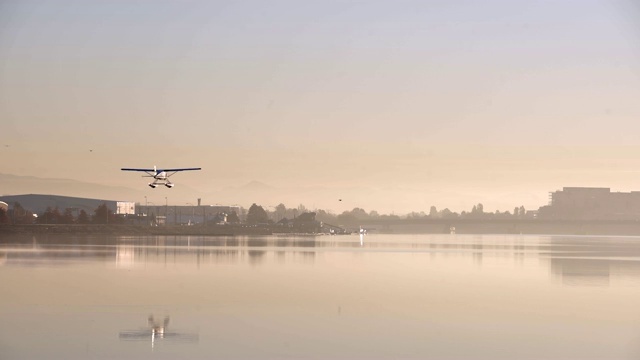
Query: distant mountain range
x,y
243,195
389,200
16,185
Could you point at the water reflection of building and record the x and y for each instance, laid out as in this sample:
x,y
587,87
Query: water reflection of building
x,y
573,260
593,271
582,271
125,256
52,254
127,252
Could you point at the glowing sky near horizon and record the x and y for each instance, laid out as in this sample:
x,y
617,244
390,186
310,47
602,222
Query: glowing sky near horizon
x,y
472,98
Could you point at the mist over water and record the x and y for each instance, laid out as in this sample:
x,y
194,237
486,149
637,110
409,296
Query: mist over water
x,y
391,296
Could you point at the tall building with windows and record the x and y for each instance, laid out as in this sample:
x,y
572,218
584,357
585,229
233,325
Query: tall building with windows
x,y
583,203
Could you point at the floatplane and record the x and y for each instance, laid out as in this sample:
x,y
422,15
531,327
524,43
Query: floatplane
x,y
160,176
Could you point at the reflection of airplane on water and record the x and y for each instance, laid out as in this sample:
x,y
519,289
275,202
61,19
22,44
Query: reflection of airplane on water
x,y
157,328
160,176
157,331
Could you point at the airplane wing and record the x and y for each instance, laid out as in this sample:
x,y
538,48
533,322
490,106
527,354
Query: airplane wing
x,y
153,170
143,170
173,171
181,169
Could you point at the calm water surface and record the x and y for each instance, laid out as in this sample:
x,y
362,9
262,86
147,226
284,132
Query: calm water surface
x,y
391,296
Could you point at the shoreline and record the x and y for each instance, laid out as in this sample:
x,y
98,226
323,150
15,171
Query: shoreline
x,y
426,226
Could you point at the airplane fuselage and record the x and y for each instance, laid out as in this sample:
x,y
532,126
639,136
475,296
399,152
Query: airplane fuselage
x,y
161,178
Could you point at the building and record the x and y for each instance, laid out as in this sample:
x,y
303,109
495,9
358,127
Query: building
x,y
37,203
125,208
581,203
188,214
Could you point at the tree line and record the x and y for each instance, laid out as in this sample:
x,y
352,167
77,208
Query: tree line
x,y
256,215
476,212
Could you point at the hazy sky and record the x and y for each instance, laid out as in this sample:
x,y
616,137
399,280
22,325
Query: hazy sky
x,y
388,103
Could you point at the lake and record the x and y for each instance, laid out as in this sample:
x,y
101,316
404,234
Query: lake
x,y
321,297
